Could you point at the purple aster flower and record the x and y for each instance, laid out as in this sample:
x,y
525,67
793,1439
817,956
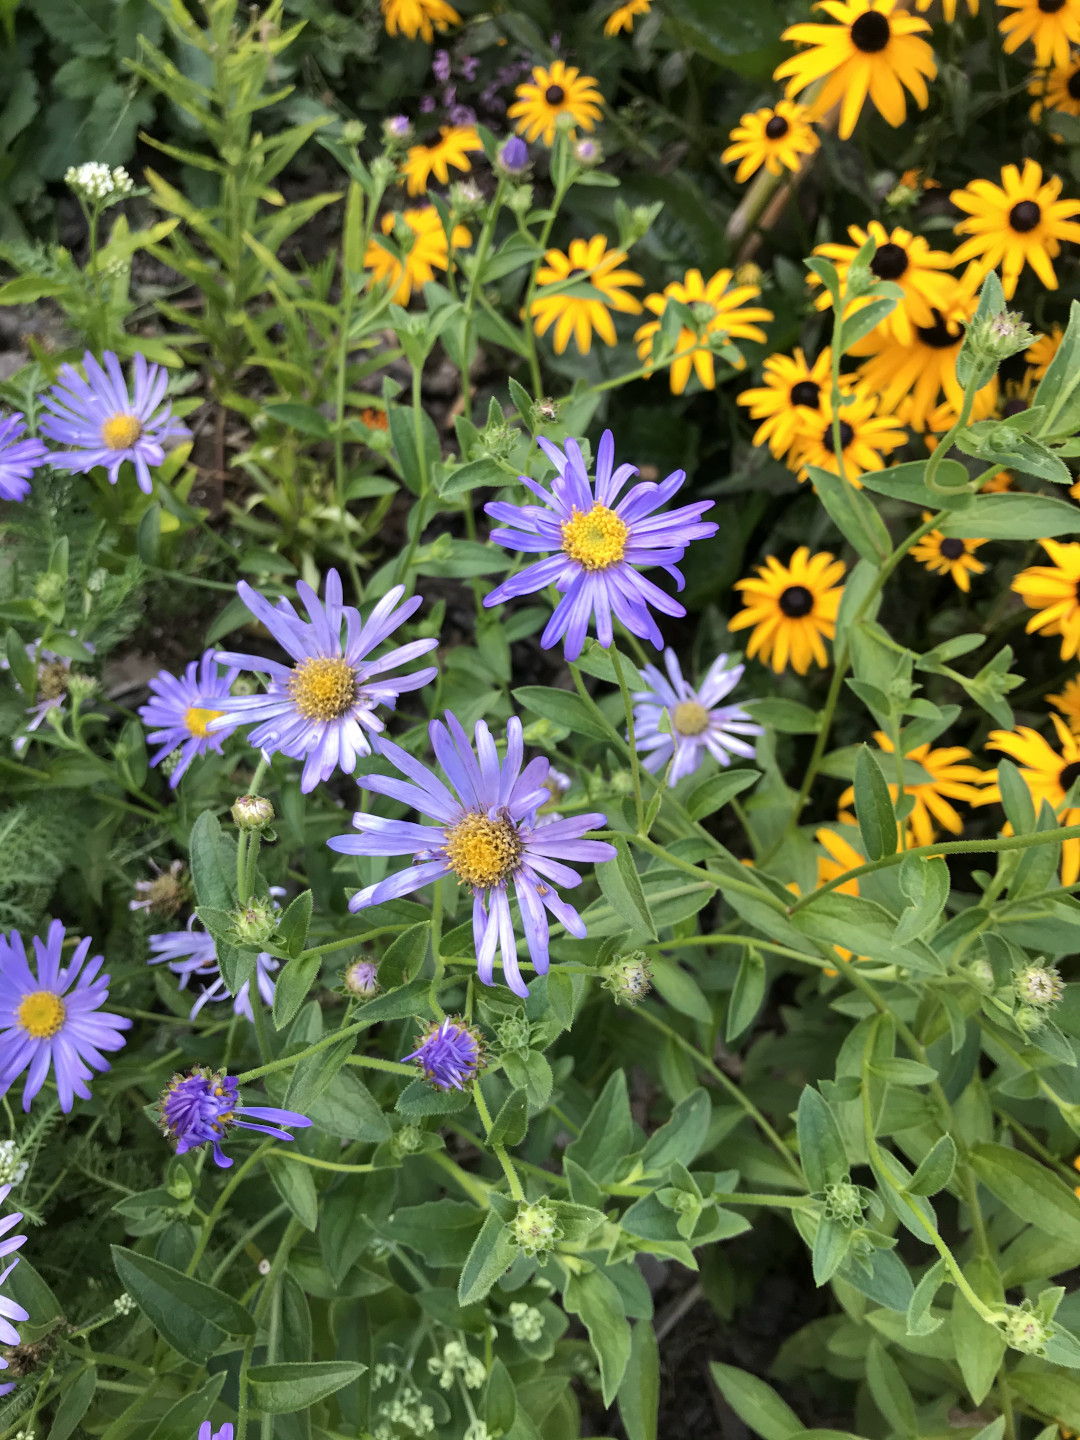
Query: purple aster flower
x,y
52,1018
18,458
8,1309
697,724
601,545
180,709
362,979
207,1432
200,1109
487,835
104,425
318,708
450,1053
514,156
192,954
53,675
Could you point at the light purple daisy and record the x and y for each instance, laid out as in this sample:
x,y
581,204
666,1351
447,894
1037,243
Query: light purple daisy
x,y
449,1053
319,708
180,709
19,458
52,1019
9,1310
53,675
602,544
697,723
103,425
486,835
192,954
200,1109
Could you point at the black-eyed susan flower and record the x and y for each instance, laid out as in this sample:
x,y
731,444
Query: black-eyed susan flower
x,y
1019,222
1068,702
1051,591
622,17
452,148
777,137
874,50
418,17
948,8
950,778
723,313
429,251
792,609
945,555
1048,774
1040,354
788,397
865,437
903,258
578,290
1052,26
1056,89
562,90
923,370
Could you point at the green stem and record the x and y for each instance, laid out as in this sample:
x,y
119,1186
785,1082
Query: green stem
x,y
302,1159
233,1183
436,951
499,1150
635,762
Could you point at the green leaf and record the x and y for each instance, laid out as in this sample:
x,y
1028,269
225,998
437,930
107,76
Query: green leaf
x,y
1016,798
907,482
890,1392
293,984
194,1318
402,424
683,1136
284,1389
347,1109
183,1419
860,322
293,926
74,1403
500,1400
294,1183
148,535
404,956
919,1319
1028,1189
831,1245
620,884
595,1298
1059,389
314,1073
853,514
821,1145
863,927
873,807
1047,1393
747,994
564,707
718,790
213,863
510,1124
607,1136
980,1348
471,477
924,880
639,1393
756,1403
1013,517
493,1252
304,418
935,1169
787,716
678,988
442,1231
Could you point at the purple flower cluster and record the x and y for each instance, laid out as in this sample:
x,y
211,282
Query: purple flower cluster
x,y
202,1107
449,1053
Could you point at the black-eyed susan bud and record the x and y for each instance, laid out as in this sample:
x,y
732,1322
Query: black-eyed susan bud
x,y
748,274
628,978
254,924
843,1203
535,1229
252,812
1039,986
1024,1329
383,170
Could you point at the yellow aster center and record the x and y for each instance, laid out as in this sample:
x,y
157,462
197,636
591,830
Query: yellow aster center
x,y
323,688
482,852
41,1014
198,721
689,718
119,432
595,538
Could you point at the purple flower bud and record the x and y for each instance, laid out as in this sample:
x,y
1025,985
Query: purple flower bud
x,y
440,66
398,126
514,156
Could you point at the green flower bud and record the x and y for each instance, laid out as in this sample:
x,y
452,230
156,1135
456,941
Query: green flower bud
x,y
1024,1329
252,812
628,978
255,923
513,1033
535,1228
843,1203
408,1140
1039,985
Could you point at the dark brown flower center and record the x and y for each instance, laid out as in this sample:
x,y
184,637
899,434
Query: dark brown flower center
x,y
1051,7
871,32
889,262
1073,85
1024,216
939,336
847,434
796,601
1013,407
777,128
806,392
952,549
1069,776
555,95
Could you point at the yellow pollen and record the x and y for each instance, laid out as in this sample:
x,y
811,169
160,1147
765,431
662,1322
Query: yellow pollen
x,y
323,688
482,852
198,721
52,679
689,718
119,432
596,538
41,1014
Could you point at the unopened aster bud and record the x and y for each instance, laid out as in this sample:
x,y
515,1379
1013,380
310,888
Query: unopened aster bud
x,y
520,200
244,685
535,1229
252,812
408,1140
514,157
383,170
526,1321
1001,335
513,1033
353,132
81,687
843,1203
1029,1018
466,199
545,411
254,924
588,152
397,130
982,971
362,979
1024,1329
1040,986
628,978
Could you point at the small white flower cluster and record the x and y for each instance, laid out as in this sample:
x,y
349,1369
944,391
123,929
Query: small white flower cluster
x,y
24,1435
94,181
384,1375
456,1357
12,1169
477,1431
527,1322
405,1413
124,1304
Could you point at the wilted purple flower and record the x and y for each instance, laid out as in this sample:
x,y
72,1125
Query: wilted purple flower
x,y
440,66
514,156
201,1108
180,710
164,894
320,708
486,834
450,1054
103,425
601,544
50,1019
19,458
192,954
697,725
